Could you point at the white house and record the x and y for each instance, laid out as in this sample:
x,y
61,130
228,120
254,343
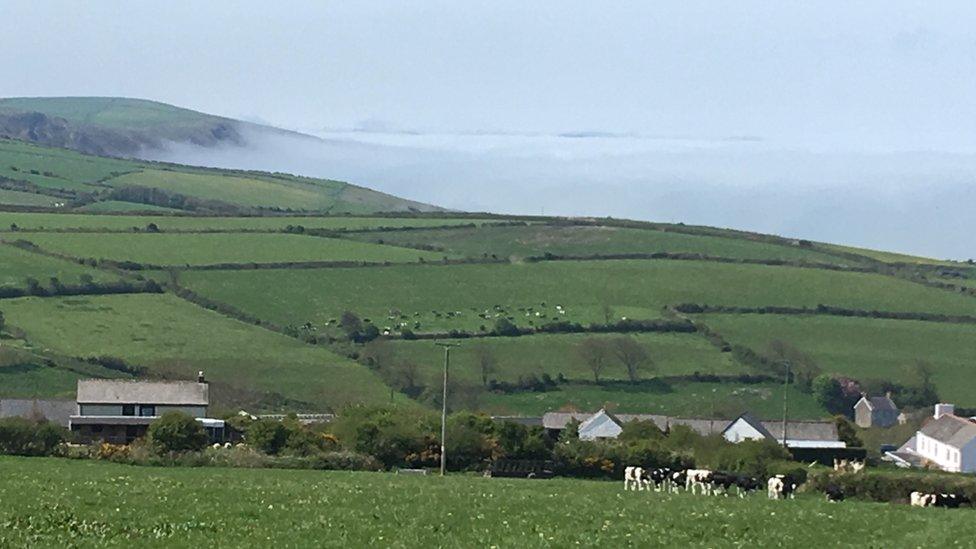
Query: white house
x,y
799,434
946,441
600,425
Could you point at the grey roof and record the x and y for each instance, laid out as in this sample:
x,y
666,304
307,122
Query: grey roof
x,y
879,403
950,429
55,411
530,421
173,393
754,422
803,430
559,420
701,426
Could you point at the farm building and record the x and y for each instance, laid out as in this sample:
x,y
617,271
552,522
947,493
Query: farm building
x,y
799,434
121,411
55,411
946,441
875,411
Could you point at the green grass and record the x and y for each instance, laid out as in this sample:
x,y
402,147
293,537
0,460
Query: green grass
x,y
67,169
117,206
635,289
174,338
18,198
868,348
211,248
27,375
33,220
87,503
886,257
17,265
537,240
672,354
112,112
682,399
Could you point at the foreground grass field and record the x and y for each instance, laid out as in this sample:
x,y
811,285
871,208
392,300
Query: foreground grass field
x,y
170,337
632,288
868,348
87,504
213,248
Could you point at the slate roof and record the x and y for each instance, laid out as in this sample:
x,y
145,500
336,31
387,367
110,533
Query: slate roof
x,y
879,403
55,411
172,393
701,426
559,420
803,430
950,429
754,422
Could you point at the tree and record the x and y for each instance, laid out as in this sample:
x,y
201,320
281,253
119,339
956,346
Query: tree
x,y
487,363
152,228
595,354
802,366
505,327
405,374
828,392
176,432
350,324
847,433
267,435
640,430
378,354
2,321
631,354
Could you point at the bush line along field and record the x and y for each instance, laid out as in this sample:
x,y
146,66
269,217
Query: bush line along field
x,y
17,265
100,503
173,338
214,248
631,288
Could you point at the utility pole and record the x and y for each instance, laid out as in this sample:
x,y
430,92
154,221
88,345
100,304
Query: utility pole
x,y
447,363
786,384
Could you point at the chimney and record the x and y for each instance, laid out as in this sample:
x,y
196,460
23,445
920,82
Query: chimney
x,y
200,378
942,409
888,395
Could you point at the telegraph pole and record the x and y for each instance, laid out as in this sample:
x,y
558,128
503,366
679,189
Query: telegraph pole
x,y
786,382
447,363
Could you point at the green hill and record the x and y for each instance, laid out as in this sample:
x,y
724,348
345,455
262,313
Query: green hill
x,y
42,176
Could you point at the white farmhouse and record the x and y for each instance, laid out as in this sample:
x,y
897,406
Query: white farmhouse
x,y
600,425
946,441
799,434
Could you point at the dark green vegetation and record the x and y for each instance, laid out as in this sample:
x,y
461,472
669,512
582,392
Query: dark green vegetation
x,y
161,507
75,180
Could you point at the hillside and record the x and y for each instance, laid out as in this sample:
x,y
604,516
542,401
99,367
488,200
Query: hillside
x,y
117,126
37,176
315,312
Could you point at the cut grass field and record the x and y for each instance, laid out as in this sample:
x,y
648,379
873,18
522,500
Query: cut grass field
x,y
170,337
537,240
213,248
66,169
61,221
87,503
683,399
886,257
17,265
632,288
868,348
672,354
117,206
18,198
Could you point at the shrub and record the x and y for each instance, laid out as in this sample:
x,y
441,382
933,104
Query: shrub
x,y
23,437
176,432
268,435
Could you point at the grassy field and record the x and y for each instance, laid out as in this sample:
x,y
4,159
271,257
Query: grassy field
x,y
635,289
211,248
65,169
886,257
17,265
28,221
83,503
868,348
18,198
25,374
112,112
685,399
117,206
672,354
170,337
537,240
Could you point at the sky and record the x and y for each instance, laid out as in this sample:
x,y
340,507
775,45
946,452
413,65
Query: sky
x,y
834,93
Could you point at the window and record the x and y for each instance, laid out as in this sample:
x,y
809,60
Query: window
x,y
147,410
128,409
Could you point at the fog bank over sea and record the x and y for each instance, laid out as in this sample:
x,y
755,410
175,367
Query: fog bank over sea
x,y
857,193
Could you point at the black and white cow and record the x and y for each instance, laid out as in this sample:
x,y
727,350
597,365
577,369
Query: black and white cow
x,y
747,485
949,501
834,493
696,479
781,487
678,479
661,479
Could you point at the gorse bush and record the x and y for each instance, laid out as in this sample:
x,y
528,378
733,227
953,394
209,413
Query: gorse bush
x,y
23,437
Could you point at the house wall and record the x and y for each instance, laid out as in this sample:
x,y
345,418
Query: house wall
x,y
862,414
116,410
968,462
944,456
116,434
741,430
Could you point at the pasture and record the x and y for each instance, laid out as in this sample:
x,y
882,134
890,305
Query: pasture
x,y
537,240
555,354
683,398
19,198
868,348
213,248
69,221
24,374
477,295
87,503
57,168
247,365
17,265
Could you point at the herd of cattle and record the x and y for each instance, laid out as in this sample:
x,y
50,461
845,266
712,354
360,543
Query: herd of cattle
x,y
708,482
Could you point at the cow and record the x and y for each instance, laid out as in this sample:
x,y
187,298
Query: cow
x,y
746,485
781,487
661,479
698,478
677,480
635,478
834,493
949,501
